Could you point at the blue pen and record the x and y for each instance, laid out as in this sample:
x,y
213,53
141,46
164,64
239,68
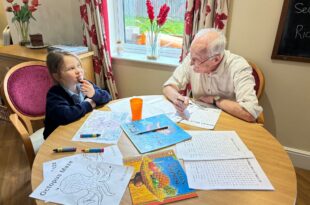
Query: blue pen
x,y
93,150
89,135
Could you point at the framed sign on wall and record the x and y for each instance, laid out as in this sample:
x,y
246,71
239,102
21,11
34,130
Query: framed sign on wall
x,y
293,36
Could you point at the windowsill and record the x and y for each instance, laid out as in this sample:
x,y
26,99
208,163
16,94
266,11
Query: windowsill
x,y
136,57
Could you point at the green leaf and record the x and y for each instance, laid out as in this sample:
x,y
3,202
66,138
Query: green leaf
x,y
31,16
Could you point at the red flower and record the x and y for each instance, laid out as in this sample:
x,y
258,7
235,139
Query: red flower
x,y
150,10
219,20
162,16
9,9
23,12
32,8
35,3
16,7
160,19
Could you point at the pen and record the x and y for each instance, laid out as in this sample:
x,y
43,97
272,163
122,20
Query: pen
x,y
182,103
89,135
93,150
65,149
153,130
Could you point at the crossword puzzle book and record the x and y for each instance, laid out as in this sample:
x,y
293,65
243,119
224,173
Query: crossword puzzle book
x,y
154,140
158,179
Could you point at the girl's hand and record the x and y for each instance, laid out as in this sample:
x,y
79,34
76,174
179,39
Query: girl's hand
x,y
87,88
92,103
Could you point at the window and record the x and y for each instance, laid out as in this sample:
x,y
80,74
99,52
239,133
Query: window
x,y
131,23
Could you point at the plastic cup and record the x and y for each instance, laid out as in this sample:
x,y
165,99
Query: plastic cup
x,y
136,108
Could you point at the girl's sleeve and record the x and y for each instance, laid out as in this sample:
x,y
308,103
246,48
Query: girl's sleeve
x,y
101,96
61,111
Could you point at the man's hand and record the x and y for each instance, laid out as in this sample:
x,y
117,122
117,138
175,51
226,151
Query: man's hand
x,y
181,103
92,103
87,88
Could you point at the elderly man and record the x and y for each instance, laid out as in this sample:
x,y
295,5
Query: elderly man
x,y
216,76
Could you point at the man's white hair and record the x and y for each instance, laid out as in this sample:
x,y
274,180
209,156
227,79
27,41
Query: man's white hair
x,y
217,46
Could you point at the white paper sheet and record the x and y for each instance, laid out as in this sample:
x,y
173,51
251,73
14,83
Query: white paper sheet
x,y
244,174
111,155
203,117
105,123
213,145
85,182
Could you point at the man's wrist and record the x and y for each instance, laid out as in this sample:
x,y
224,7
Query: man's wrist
x,y
216,99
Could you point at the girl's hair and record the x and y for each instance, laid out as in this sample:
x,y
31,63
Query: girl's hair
x,y
55,61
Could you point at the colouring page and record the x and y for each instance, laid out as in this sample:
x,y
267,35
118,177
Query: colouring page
x,y
83,182
105,123
111,155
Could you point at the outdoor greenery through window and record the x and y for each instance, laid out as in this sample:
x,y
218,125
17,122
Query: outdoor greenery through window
x,y
137,23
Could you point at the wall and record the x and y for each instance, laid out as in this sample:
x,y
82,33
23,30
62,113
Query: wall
x,y
134,78
58,21
252,30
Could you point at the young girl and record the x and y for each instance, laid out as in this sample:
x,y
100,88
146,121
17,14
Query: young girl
x,y
72,96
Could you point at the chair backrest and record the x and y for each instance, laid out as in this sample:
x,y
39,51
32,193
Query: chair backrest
x,y
25,87
259,80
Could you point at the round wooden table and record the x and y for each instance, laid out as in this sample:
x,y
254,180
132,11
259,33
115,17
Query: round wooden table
x,y
267,150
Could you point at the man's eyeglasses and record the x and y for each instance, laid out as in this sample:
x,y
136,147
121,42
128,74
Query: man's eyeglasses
x,y
197,63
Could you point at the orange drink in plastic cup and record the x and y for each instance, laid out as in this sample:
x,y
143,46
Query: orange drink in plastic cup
x,y
136,108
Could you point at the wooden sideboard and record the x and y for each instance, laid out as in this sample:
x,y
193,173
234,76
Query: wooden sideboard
x,y
15,54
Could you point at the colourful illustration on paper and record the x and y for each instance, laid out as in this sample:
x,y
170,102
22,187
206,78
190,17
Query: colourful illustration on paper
x,y
158,179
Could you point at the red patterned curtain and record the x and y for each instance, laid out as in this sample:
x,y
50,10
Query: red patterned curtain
x,y
203,14
95,30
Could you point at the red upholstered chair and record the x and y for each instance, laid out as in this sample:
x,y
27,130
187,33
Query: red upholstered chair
x,y
25,87
259,80
259,87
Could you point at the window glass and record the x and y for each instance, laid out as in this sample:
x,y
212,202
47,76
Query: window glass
x,y
136,22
